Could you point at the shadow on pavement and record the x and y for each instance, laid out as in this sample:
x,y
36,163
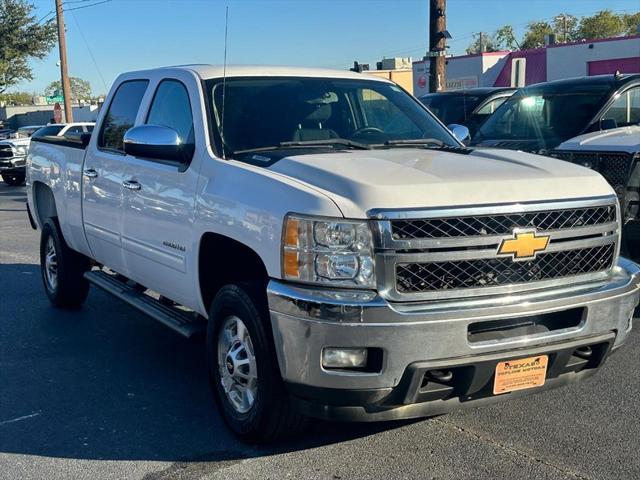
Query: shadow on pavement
x,y
105,382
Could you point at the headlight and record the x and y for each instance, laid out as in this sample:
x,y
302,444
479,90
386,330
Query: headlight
x,y
328,251
21,150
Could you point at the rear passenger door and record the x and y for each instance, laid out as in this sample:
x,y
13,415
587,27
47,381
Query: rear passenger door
x,y
158,215
103,176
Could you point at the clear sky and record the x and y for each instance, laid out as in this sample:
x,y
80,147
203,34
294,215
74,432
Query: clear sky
x,y
126,35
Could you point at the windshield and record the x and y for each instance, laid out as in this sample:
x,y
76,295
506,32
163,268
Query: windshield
x,y
452,108
547,114
26,132
272,111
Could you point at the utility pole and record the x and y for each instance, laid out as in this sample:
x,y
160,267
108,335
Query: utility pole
x,y
64,73
564,26
481,42
437,44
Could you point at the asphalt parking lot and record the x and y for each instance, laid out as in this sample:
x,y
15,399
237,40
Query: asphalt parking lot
x,y
104,393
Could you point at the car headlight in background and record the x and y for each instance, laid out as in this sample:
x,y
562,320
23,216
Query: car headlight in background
x,y
21,150
328,251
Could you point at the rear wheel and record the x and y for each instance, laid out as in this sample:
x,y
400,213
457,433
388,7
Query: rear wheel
x,y
13,179
243,369
62,269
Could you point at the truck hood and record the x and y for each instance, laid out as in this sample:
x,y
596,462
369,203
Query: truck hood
x,y
16,142
624,139
361,180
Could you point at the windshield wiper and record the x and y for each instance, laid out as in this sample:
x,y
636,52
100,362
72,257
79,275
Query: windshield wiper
x,y
329,141
413,142
307,144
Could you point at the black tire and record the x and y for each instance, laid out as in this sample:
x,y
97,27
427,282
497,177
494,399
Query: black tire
x,y
70,288
13,179
270,417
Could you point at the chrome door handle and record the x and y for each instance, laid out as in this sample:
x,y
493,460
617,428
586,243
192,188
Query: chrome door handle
x,y
131,185
90,173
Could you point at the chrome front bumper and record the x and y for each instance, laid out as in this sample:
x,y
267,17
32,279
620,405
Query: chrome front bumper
x,y
13,163
304,321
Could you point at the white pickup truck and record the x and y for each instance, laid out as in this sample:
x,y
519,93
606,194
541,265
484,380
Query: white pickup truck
x,y
348,257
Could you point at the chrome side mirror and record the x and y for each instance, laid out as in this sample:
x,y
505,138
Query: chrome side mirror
x,y
461,132
157,143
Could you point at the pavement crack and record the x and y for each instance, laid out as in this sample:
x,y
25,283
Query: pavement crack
x,y
510,450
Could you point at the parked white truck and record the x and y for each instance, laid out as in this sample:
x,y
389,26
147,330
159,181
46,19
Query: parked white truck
x,y
349,258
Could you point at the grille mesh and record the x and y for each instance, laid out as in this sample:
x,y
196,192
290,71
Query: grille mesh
x,y
501,224
425,277
5,151
615,167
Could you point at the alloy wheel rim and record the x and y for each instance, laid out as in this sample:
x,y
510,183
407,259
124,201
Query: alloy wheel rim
x,y
51,264
237,365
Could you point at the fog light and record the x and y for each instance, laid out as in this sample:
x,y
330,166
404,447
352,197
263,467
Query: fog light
x,y
333,357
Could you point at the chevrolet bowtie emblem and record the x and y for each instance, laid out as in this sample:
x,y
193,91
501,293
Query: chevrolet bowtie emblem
x,y
524,245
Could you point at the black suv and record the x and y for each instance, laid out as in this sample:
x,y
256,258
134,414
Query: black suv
x,y
540,117
466,107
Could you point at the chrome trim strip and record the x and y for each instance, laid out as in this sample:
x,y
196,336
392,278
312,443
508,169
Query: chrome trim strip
x,y
471,210
386,240
477,254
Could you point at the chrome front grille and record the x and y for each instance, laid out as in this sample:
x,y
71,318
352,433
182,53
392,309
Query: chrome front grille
x,y
502,224
6,151
454,253
435,276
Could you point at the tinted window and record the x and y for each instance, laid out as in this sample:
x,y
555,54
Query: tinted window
x,y
452,108
48,131
491,106
264,112
171,108
547,114
121,115
625,110
76,129
89,128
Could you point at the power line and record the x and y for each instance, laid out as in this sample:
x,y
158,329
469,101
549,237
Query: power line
x,y
86,6
95,63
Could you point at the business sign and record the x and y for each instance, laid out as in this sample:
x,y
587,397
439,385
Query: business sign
x,y
53,99
462,83
57,113
421,78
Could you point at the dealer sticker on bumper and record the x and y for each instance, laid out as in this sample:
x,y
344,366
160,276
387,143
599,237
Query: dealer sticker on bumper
x,y
520,374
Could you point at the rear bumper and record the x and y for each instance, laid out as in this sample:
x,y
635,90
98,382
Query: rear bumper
x,y
417,338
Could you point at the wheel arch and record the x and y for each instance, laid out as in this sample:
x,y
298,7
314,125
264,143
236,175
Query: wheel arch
x,y
45,203
223,260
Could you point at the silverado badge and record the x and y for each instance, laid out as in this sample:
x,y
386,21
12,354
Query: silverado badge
x,y
523,244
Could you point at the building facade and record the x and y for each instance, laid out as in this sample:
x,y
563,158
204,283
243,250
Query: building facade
x,y
525,67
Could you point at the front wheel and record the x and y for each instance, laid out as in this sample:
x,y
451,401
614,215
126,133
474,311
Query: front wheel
x,y
13,179
243,369
62,268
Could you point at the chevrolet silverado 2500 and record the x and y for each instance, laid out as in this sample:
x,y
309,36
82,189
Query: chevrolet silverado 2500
x,y
348,257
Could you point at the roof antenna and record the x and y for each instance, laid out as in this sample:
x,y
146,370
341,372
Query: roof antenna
x,y
224,81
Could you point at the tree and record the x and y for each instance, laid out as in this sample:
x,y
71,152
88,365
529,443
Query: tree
x,y
601,25
534,36
80,89
488,44
21,38
506,38
17,98
631,23
565,26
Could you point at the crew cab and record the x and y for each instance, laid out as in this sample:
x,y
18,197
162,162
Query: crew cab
x,y
539,117
13,152
615,154
346,255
